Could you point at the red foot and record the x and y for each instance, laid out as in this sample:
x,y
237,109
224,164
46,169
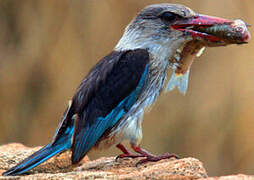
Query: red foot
x,y
157,158
121,156
143,153
150,157
126,153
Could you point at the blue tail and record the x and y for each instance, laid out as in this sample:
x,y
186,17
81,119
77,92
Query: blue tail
x,y
35,159
62,141
62,144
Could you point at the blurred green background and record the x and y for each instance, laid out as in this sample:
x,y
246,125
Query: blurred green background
x,y
47,47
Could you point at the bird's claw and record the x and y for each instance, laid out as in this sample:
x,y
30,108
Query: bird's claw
x,y
122,156
156,158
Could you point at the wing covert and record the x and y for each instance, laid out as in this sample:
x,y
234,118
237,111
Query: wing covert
x,y
105,95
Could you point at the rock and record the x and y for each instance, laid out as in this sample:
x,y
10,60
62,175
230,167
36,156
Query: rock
x,y
60,167
105,168
232,177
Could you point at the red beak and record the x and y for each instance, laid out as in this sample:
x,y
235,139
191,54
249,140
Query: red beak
x,y
208,20
214,30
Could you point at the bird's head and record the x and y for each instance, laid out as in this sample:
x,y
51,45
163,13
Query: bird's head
x,y
164,29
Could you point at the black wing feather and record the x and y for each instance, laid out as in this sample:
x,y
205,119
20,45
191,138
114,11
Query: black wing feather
x,y
109,82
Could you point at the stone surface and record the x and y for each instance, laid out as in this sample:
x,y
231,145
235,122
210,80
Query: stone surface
x,y
232,177
60,167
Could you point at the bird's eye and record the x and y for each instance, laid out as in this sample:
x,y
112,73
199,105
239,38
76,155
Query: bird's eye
x,y
169,16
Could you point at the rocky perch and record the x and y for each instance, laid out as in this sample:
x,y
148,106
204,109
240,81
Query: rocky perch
x,y
60,167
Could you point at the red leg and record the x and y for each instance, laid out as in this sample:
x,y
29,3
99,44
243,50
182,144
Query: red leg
x,y
126,153
150,157
122,148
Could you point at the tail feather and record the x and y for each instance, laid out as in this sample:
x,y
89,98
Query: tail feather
x,y
62,141
35,159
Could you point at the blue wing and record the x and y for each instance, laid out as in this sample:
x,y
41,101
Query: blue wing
x,y
112,92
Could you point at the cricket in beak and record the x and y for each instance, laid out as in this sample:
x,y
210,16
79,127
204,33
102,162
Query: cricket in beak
x,y
215,31
206,31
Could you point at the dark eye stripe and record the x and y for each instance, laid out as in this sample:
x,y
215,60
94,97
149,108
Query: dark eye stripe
x,y
169,16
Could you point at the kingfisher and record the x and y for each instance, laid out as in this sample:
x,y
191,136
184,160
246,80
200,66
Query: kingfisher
x,y
109,104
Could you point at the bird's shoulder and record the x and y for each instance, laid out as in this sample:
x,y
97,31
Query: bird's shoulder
x,y
110,72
